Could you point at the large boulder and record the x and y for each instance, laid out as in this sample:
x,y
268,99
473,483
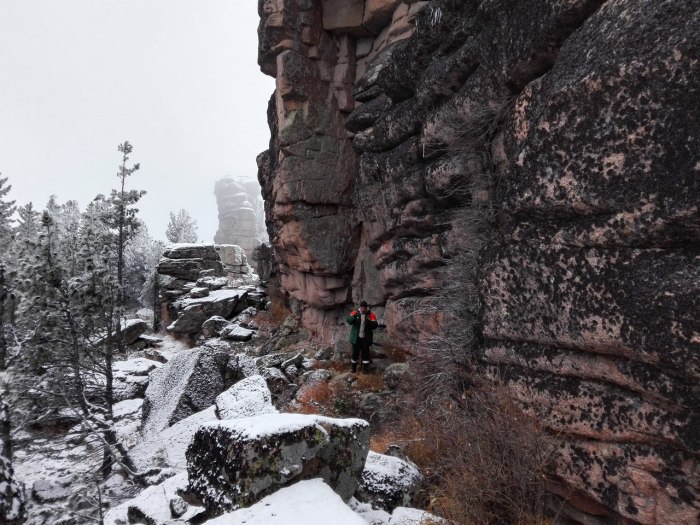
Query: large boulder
x,y
249,397
186,384
235,463
133,329
388,482
191,313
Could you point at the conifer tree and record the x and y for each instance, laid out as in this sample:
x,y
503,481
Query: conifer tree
x,y
7,209
181,228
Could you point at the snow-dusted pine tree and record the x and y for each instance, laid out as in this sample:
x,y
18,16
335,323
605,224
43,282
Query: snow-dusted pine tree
x,y
181,228
7,209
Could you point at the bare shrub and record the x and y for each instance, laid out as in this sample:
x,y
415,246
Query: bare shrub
x,y
485,460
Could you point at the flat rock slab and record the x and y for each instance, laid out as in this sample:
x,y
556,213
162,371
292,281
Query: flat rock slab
x,y
236,463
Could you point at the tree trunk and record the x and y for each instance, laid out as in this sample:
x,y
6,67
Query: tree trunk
x,y
3,342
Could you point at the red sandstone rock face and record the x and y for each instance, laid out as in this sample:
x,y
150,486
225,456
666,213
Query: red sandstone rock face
x,y
570,129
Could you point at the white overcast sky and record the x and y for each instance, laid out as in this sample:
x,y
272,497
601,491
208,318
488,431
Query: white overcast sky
x,y
177,78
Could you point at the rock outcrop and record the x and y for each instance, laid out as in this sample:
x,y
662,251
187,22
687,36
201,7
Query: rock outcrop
x,y
241,214
194,284
564,137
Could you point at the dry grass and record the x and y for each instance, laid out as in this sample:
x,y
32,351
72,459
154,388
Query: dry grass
x,y
279,311
336,366
369,382
319,398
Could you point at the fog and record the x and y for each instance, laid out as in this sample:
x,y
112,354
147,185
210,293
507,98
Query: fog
x,y
177,78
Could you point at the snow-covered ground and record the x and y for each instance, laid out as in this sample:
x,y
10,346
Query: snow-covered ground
x,y
63,469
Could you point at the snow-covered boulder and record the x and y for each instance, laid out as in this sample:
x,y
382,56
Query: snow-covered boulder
x,y
154,504
139,366
309,502
249,397
186,384
388,482
212,327
127,409
236,332
167,447
133,329
130,378
12,503
190,313
235,463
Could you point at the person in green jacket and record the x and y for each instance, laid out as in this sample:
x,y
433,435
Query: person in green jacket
x,y
362,322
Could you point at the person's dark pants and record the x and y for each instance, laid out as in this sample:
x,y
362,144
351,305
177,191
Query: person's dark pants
x,y
360,350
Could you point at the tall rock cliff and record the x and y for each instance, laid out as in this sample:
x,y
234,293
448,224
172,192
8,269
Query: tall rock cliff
x,y
241,214
555,143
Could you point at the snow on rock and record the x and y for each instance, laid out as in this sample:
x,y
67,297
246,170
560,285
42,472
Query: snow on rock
x,y
133,329
276,380
199,291
371,515
129,387
309,502
185,385
46,491
237,462
167,447
190,313
130,378
153,505
249,397
212,327
388,482
12,502
139,366
128,408
237,333
408,516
